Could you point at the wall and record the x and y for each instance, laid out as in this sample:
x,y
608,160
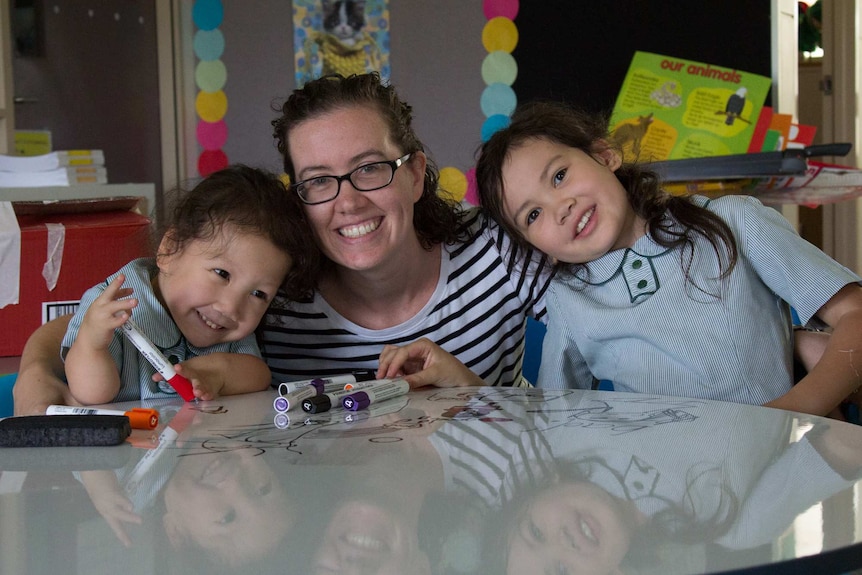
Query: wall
x,y
436,57
95,84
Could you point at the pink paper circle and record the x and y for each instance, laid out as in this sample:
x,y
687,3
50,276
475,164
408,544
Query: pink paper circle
x,y
212,135
505,8
472,195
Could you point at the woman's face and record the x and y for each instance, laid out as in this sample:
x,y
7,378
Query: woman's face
x,y
361,231
365,537
571,528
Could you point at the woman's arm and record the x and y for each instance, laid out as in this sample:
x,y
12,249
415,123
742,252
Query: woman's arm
x,y
40,380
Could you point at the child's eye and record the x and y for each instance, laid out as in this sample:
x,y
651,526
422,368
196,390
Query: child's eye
x,y
260,295
535,532
559,177
265,489
532,215
222,273
227,518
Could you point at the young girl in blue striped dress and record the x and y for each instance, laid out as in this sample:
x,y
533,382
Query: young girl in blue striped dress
x,y
664,294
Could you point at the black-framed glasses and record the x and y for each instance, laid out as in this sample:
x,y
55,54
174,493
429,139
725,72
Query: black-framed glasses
x,y
367,178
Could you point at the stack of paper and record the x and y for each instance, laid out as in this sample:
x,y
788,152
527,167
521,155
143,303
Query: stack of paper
x,y
61,168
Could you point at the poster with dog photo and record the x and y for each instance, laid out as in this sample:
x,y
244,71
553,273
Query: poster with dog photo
x,y
343,37
669,108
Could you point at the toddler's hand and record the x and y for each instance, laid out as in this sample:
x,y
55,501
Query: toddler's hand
x,y
110,501
205,386
107,312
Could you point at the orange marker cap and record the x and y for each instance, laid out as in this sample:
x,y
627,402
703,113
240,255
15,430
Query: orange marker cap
x,y
143,418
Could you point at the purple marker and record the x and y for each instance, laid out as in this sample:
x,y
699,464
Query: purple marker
x,y
352,377
326,401
374,393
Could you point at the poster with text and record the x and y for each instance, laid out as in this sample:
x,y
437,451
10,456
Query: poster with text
x,y
344,37
669,109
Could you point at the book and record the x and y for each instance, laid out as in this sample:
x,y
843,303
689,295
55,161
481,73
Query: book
x,y
669,108
52,160
64,176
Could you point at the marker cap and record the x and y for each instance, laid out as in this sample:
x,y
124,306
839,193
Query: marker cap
x,y
281,404
183,387
143,418
316,404
356,401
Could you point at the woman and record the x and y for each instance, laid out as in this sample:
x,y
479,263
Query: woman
x,y
401,262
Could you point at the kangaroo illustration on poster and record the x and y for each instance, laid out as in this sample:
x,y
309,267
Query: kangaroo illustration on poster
x,y
633,134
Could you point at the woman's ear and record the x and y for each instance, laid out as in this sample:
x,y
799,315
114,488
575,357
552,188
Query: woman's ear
x,y
416,165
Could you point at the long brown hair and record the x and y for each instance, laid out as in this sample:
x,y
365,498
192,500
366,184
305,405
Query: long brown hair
x,y
560,123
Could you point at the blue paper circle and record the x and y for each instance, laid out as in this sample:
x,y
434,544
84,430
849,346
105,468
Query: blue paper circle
x,y
207,14
209,44
498,98
493,124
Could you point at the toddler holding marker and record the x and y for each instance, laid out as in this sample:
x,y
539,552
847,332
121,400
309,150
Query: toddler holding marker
x,y
233,243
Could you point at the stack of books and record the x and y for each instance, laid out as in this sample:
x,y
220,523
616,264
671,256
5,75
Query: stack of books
x,y
61,168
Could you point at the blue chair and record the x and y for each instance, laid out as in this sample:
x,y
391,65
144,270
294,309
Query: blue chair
x,y
6,383
533,349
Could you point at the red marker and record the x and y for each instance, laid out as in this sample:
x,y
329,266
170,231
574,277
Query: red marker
x,y
180,384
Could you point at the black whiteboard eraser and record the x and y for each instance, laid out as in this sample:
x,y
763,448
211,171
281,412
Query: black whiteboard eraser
x,y
64,430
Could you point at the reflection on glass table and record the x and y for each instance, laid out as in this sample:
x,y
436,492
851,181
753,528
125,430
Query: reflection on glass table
x,y
465,481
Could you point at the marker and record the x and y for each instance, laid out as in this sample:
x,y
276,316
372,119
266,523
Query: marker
x,y
353,376
281,420
180,384
167,438
286,402
378,392
139,417
381,408
325,401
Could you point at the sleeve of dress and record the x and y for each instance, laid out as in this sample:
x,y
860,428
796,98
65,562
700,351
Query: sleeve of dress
x,y
562,365
794,269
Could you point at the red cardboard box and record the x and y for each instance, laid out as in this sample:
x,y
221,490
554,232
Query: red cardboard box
x,y
96,245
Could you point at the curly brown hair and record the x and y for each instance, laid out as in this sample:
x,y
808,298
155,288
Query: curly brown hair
x,y
437,219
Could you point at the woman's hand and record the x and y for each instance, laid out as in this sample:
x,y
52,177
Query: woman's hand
x,y
422,363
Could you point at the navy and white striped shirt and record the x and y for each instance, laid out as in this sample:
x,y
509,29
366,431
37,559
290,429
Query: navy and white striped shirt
x,y
477,312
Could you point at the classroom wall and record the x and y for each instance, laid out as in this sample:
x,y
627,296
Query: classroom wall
x,y
436,57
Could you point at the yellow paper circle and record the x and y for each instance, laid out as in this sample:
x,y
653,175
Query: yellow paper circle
x,y
211,106
453,182
500,34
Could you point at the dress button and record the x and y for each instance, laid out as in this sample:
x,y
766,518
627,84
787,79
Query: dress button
x,y
637,264
642,284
